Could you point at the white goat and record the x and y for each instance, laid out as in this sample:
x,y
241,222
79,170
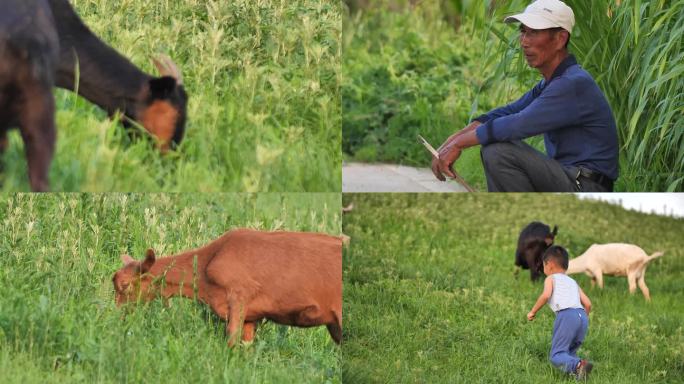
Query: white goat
x,y
617,260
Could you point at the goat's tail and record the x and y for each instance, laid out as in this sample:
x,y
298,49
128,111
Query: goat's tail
x,y
654,256
555,230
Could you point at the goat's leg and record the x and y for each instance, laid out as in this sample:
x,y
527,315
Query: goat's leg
x,y
598,275
235,322
534,275
248,331
37,121
532,264
4,143
643,287
335,332
592,277
335,327
631,280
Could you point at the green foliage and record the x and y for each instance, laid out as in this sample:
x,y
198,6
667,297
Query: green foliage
x,y
264,109
408,72
58,321
430,293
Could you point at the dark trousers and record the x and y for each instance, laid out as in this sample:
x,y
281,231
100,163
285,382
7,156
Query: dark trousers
x,y
517,167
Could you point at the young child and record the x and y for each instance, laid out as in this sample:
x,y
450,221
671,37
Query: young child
x,y
566,299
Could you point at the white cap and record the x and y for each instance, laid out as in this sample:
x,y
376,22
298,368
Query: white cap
x,y
545,14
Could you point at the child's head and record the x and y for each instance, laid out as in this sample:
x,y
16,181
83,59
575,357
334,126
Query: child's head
x,y
557,256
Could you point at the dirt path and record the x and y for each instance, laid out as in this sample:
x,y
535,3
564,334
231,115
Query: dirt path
x,y
359,177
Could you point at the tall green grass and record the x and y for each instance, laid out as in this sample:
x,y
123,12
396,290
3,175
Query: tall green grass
x,y
430,293
264,108
58,320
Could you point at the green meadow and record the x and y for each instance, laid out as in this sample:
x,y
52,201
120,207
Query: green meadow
x,y
264,101
429,67
58,319
430,293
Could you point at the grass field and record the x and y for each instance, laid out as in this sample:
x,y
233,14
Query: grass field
x,y
264,109
430,294
58,320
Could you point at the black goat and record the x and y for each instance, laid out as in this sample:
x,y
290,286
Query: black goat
x,y
29,52
110,81
42,43
534,239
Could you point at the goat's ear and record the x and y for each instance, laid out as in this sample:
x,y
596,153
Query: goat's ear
x,y
555,230
162,87
149,261
127,259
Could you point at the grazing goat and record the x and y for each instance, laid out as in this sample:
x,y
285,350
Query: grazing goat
x,y
291,278
42,42
534,239
617,260
28,54
110,81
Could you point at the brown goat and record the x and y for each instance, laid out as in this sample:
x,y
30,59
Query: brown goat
x,y
42,43
291,278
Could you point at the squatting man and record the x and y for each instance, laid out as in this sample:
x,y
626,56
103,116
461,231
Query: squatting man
x,y
566,106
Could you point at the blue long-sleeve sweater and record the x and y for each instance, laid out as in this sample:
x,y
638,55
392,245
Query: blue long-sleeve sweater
x,y
572,113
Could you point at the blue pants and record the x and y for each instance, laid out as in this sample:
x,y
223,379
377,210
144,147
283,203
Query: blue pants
x,y
569,330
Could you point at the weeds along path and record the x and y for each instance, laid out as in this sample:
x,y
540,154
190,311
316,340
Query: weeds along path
x,y
58,320
264,107
430,293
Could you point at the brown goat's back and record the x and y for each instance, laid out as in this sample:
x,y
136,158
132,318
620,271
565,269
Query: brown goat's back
x,y
293,278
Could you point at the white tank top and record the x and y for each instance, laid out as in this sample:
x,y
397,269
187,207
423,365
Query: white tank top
x,y
565,293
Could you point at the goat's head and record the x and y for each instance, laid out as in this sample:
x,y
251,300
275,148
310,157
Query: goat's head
x,y
163,112
133,282
551,236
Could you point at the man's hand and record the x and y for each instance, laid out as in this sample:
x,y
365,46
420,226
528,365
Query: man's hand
x,y
436,163
530,316
435,169
445,164
451,149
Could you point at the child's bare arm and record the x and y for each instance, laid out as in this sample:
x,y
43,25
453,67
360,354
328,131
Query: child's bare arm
x,y
543,298
586,303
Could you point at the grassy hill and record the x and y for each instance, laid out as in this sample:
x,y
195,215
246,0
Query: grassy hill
x,y
263,110
430,294
58,320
